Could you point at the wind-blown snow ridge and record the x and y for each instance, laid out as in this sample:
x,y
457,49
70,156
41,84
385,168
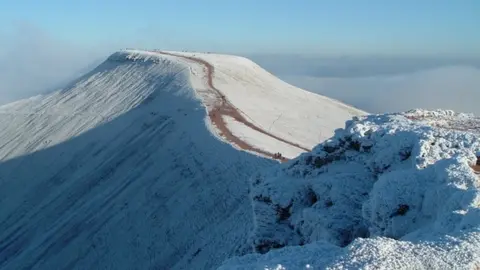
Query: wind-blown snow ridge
x,y
392,191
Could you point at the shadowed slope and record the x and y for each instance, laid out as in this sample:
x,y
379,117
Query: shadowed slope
x,y
120,172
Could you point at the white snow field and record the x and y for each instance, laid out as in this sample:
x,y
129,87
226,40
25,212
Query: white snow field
x,y
395,191
122,169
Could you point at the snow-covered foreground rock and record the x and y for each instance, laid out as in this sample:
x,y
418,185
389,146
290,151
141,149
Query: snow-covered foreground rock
x,y
390,191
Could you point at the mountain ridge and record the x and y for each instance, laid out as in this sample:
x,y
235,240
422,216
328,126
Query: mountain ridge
x,y
122,169
97,175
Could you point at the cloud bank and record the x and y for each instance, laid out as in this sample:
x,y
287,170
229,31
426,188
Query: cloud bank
x,y
386,85
33,62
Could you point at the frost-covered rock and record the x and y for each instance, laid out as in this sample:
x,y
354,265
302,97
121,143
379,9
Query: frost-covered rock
x,y
390,191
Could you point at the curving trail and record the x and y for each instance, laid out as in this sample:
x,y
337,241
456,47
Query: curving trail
x,y
223,107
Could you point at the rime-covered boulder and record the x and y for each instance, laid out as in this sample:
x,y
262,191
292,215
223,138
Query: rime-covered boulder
x,y
395,191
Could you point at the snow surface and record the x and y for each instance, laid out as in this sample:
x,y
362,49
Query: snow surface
x,y
119,171
386,192
289,112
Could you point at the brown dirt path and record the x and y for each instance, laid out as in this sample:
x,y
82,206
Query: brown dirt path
x,y
223,107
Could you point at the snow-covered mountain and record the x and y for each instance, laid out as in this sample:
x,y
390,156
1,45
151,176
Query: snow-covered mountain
x,y
132,165
397,191
154,160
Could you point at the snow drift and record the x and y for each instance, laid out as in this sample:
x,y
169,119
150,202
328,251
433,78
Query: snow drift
x,y
392,191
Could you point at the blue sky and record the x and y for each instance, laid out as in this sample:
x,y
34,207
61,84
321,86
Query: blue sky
x,y
337,27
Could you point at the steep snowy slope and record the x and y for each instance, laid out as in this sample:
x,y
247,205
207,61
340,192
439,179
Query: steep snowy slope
x,y
295,119
119,171
398,191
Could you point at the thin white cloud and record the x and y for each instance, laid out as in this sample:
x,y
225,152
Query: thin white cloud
x,y
454,87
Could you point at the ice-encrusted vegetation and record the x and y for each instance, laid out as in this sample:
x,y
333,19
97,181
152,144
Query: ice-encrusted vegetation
x,y
394,191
